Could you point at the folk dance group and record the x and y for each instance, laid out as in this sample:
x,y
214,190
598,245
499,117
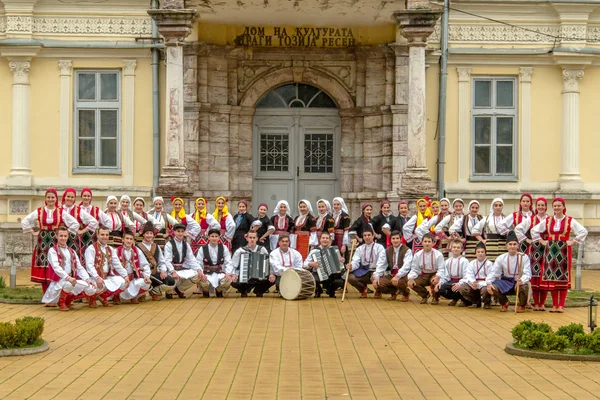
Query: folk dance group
x,y
123,251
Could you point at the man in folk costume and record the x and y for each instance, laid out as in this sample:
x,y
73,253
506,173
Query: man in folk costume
x,y
362,223
397,223
205,221
282,221
137,267
510,276
334,281
488,230
562,232
392,277
215,261
87,223
536,251
423,271
70,281
410,227
365,262
476,289
452,276
104,267
282,259
259,286
464,227
513,219
181,263
156,261
384,217
48,218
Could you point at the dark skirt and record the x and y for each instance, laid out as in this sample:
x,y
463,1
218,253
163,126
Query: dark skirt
x,y
87,239
160,240
505,285
470,246
495,245
536,260
557,266
115,238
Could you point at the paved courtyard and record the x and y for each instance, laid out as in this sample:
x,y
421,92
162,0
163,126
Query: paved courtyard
x,y
268,348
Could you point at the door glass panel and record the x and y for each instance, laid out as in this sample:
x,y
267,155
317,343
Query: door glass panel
x,y
318,153
274,152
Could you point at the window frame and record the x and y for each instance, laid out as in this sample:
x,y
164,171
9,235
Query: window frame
x,y
495,112
97,105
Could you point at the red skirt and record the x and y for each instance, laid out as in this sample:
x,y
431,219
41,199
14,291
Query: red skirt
x,y
198,241
339,237
39,259
557,266
302,243
536,254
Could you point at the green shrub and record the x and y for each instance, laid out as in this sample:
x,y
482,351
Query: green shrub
x,y
543,327
521,329
23,332
580,341
569,331
555,343
534,340
2,283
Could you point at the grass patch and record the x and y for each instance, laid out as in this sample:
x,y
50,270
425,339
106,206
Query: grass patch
x,y
572,297
570,351
21,293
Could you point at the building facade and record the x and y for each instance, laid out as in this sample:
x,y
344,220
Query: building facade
x,y
270,100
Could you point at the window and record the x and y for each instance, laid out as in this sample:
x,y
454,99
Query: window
x,y
97,121
494,125
296,95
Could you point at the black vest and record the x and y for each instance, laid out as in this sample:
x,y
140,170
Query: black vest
x,y
177,258
209,265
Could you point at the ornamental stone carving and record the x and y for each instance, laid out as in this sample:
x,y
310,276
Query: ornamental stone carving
x,y
65,66
20,70
525,74
2,24
499,33
19,23
464,73
92,26
129,67
571,78
249,71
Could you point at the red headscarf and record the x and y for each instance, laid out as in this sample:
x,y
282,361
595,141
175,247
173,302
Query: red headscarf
x,y
384,202
562,201
51,190
83,191
365,205
521,198
402,202
68,190
540,199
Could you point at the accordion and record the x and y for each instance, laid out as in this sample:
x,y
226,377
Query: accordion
x,y
254,266
329,262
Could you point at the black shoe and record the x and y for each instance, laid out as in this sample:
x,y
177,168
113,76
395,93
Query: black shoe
x,y
258,294
179,293
244,294
219,294
317,295
169,296
331,294
206,295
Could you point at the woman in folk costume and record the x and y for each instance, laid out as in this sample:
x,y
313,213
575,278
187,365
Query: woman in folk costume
x,y
205,221
362,223
464,227
244,222
341,226
115,222
397,223
513,219
87,223
225,220
125,210
48,218
88,237
138,207
384,217
488,230
324,221
442,228
304,228
283,223
192,228
162,221
536,251
409,228
266,228
430,225
563,231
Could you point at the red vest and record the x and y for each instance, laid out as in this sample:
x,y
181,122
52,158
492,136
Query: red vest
x,y
56,218
134,261
61,261
563,233
99,260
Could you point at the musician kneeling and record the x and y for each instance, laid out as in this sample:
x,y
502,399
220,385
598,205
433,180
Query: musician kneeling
x,y
393,277
476,289
452,276
181,263
282,259
70,280
260,286
511,275
137,268
215,260
365,261
333,281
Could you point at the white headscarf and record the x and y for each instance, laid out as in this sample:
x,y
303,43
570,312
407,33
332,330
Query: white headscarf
x,y
302,217
470,204
139,198
157,198
125,197
279,203
446,200
327,211
496,200
458,201
343,204
109,198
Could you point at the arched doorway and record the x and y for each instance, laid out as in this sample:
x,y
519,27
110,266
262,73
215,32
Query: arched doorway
x,y
296,146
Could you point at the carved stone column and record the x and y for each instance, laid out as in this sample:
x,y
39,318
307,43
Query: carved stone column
x,y
174,23
20,172
570,178
416,26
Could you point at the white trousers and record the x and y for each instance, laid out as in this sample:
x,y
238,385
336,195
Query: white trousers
x,y
134,288
53,292
187,278
217,281
113,283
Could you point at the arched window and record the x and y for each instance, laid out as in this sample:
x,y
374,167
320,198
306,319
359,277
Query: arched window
x,y
296,95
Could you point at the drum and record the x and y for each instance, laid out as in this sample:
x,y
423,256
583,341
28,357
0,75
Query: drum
x,y
297,284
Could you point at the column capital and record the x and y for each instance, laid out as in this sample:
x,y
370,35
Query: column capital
x,y
20,70
416,25
129,67
66,67
174,21
464,73
571,78
525,74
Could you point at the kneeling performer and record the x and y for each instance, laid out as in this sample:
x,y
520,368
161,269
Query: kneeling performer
x,y
215,260
181,263
365,261
330,280
452,276
153,254
393,277
476,290
423,270
137,269
260,286
69,279
104,266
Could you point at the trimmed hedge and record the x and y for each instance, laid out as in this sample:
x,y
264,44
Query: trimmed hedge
x,y
24,332
567,339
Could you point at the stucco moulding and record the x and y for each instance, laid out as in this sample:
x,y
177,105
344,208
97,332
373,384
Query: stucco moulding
x,y
77,26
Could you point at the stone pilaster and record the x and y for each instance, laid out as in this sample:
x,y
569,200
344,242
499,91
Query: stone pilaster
x,y
416,25
66,71
20,172
570,178
174,23
464,122
525,75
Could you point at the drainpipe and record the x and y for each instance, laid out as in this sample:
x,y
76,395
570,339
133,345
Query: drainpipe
x,y
155,106
442,100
